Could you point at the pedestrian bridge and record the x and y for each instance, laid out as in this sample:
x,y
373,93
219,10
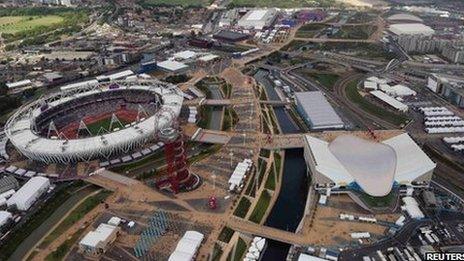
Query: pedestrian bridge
x,y
254,229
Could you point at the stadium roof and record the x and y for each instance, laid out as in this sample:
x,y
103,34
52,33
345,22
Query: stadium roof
x,y
318,110
20,132
411,29
405,17
374,166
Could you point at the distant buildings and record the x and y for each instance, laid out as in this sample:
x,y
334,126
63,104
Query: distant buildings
x,y
172,66
449,87
258,19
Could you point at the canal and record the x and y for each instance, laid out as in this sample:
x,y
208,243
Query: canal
x,y
287,125
289,208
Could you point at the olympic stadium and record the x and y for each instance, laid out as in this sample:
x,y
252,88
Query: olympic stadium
x,y
94,120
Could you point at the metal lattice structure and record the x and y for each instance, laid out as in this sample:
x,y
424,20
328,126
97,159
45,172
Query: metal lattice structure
x,y
176,159
22,132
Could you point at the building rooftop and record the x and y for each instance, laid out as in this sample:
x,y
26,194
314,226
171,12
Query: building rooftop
x,y
101,234
373,165
405,17
172,65
318,109
411,29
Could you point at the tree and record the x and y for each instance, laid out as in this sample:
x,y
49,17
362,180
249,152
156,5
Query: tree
x,y
3,88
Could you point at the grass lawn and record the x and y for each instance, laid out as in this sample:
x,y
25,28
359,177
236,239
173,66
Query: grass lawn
x,y
282,4
242,208
226,234
205,113
355,32
95,127
277,162
327,80
75,215
354,96
61,251
271,182
240,250
15,24
230,119
379,202
309,30
261,207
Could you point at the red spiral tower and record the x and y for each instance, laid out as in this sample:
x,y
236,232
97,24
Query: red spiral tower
x,y
178,175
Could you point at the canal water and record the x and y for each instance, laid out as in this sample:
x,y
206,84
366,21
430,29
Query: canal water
x,y
286,123
289,208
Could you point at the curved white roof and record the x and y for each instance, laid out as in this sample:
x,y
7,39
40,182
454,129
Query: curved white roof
x,y
404,17
372,165
30,144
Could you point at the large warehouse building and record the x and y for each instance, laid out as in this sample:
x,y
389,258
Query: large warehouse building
x,y
258,19
317,111
349,162
448,86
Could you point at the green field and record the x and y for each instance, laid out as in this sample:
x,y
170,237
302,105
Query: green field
x,y
283,4
261,207
15,24
358,32
95,127
310,30
327,80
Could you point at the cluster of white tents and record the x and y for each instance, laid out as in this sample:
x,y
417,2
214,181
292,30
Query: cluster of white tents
x,y
187,246
29,193
192,114
441,120
397,91
239,174
254,251
412,208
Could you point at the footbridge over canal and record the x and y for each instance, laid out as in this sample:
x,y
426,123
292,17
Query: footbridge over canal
x,y
250,228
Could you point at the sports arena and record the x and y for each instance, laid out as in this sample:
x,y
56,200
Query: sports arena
x,y
94,121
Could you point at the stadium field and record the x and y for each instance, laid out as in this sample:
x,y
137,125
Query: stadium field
x,y
15,24
105,124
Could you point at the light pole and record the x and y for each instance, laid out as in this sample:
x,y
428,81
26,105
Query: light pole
x,y
231,154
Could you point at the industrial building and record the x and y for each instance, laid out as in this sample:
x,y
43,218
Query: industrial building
x,y
16,87
96,242
411,29
317,111
28,194
8,183
172,66
230,36
349,162
397,105
258,19
449,87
